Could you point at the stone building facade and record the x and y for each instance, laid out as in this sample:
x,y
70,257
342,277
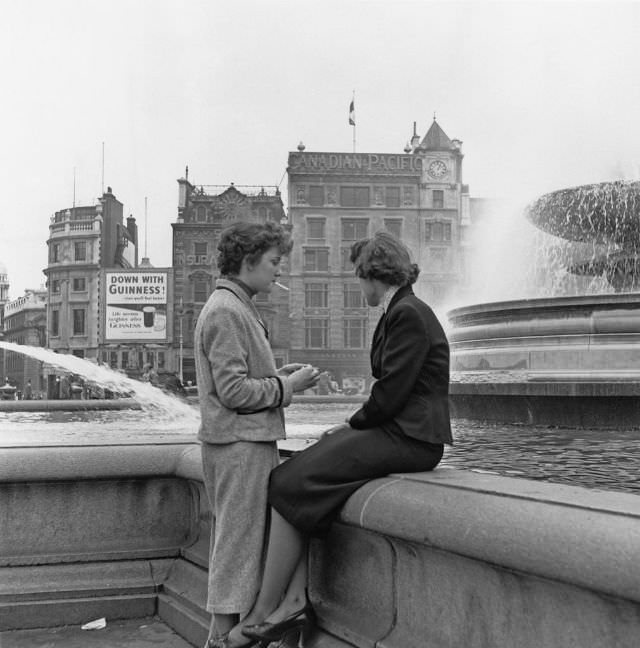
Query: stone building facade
x,y
338,198
4,297
203,212
25,323
84,242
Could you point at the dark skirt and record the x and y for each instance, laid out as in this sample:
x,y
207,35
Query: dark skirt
x,y
309,489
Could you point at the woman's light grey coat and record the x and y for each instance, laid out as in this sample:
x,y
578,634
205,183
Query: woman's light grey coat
x,y
241,397
241,401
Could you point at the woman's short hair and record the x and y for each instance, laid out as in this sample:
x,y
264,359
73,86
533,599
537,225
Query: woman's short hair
x,y
250,240
385,258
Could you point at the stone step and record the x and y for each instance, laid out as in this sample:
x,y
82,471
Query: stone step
x,y
180,618
21,615
186,584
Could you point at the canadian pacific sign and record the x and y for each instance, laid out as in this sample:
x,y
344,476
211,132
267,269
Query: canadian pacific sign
x,y
354,162
136,306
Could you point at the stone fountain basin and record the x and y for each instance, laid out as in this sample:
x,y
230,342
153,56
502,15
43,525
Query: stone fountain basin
x,y
586,334
568,361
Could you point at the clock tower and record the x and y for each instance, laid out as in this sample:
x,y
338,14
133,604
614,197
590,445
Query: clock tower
x,y
444,213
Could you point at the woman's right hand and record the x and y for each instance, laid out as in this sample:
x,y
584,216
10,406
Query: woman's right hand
x,y
303,378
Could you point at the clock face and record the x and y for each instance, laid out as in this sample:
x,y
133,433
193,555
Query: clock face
x,y
437,169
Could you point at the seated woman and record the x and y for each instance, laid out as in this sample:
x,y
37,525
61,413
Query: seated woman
x,y
402,427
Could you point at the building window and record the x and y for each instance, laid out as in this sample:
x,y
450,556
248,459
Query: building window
x,y
316,295
78,353
345,260
353,297
79,321
316,195
161,360
200,291
438,199
437,232
55,322
200,251
394,226
315,229
113,359
392,197
316,260
316,333
355,333
79,284
151,358
54,255
124,360
55,286
201,214
80,251
354,197
354,229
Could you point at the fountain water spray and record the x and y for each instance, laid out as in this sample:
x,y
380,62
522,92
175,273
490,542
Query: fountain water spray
x,y
150,398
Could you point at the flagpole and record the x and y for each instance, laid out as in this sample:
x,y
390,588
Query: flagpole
x,y
353,101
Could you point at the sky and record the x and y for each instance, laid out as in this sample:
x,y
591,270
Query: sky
x,y
543,95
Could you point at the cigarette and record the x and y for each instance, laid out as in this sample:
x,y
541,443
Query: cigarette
x,y
280,285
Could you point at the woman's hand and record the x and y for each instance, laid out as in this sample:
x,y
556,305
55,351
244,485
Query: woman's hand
x,y
288,369
336,428
304,378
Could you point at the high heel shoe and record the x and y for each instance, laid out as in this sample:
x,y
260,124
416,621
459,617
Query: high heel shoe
x,y
222,641
300,623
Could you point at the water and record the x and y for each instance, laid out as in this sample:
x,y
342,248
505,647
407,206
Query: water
x,y
601,459
152,400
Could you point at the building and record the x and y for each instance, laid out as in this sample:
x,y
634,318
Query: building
x,y
337,198
82,241
25,323
4,297
203,212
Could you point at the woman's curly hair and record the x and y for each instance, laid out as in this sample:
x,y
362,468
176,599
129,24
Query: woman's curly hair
x,y
250,241
385,258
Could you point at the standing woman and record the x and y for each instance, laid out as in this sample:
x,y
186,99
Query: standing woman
x,y
242,396
402,427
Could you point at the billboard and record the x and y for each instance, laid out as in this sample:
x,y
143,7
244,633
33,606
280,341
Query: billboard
x,y
136,306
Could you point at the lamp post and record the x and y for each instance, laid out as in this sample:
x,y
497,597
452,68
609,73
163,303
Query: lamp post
x,y
180,347
181,312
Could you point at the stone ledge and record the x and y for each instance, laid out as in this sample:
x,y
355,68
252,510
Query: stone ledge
x,y
583,537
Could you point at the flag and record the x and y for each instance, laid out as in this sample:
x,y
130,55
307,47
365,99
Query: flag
x,y
352,114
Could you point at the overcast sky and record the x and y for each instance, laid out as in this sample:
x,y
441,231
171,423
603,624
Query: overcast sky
x,y
543,95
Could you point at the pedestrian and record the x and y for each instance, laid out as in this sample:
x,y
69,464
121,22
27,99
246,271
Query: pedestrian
x,y
242,396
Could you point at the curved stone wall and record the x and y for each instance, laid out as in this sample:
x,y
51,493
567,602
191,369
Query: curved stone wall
x,y
580,334
449,558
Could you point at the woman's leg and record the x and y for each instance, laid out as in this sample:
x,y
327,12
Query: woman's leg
x,y
283,571
239,511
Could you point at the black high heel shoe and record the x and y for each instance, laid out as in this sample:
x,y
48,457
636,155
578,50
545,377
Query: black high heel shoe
x,y
300,624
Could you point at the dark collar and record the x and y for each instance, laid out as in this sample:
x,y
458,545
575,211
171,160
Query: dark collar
x,y
402,292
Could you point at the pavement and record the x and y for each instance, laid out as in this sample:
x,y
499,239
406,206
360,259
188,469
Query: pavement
x,y
130,633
